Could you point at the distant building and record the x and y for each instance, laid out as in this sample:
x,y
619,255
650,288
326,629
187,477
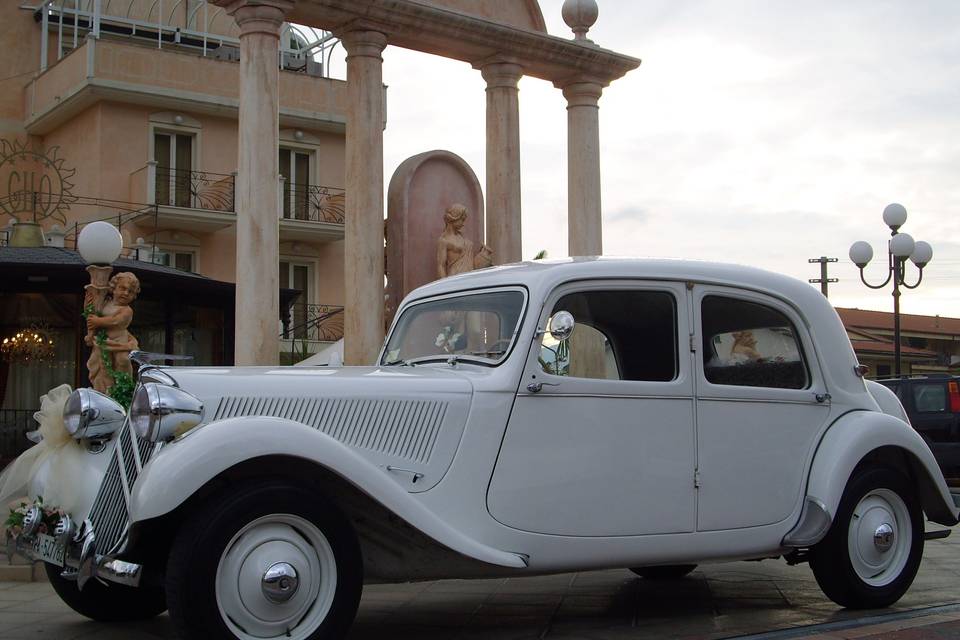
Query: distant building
x,y
929,344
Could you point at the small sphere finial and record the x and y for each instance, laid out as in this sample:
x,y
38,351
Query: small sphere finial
x,y
580,15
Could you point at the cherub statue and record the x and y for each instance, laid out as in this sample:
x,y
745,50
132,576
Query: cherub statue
x,y
114,318
454,250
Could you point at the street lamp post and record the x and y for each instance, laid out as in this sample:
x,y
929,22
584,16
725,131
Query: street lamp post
x,y
900,247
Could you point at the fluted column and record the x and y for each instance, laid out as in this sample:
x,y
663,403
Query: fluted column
x,y
363,241
584,225
503,161
258,238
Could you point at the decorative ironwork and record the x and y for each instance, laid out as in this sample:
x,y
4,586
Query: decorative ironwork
x,y
195,189
38,183
315,322
314,203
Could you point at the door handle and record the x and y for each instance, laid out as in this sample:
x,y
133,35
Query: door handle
x,y
536,387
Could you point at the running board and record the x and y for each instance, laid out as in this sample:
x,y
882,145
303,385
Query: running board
x,y
937,535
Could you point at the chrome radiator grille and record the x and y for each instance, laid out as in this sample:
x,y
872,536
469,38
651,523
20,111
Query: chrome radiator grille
x,y
109,515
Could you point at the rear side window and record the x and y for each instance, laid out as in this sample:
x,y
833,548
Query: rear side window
x,y
930,398
750,345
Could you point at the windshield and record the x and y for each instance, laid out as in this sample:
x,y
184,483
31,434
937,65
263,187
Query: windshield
x,y
479,326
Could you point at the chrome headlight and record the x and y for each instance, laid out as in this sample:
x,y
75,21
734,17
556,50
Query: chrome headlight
x,y
161,413
91,414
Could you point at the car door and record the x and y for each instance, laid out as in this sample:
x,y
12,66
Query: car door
x,y
761,405
601,439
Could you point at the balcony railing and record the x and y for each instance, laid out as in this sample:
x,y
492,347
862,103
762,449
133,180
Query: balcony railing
x,y
169,187
313,203
314,323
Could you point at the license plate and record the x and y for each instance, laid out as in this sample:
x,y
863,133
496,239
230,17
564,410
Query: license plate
x,y
47,549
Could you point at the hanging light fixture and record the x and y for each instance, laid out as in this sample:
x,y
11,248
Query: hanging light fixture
x,y
28,346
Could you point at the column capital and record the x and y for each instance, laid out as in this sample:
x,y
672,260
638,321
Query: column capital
x,y
360,40
258,16
501,73
582,92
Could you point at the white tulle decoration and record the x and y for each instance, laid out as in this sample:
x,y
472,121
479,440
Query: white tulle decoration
x,y
51,467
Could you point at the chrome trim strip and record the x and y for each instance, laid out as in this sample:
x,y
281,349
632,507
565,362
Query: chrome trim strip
x,y
136,450
555,394
766,401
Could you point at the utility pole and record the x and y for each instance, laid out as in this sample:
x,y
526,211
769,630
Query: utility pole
x,y
823,279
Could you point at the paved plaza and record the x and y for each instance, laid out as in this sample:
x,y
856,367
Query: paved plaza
x,y
760,600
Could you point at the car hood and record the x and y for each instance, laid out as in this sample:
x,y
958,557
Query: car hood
x,y
406,420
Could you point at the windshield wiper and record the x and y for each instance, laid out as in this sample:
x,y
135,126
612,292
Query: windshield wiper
x,y
398,361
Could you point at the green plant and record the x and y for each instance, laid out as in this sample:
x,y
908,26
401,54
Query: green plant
x,y
122,388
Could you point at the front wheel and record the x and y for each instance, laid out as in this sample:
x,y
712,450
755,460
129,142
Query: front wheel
x,y
871,554
269,561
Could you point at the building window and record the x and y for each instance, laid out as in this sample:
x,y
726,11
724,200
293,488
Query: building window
x,y
173,153
883,370
299,276
295,168
182,260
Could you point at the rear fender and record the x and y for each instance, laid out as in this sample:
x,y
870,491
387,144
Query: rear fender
x,y
860,436
184,467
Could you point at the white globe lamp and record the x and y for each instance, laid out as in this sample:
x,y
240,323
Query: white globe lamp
x,y
922,253
894,215
99,243
901,245
861,253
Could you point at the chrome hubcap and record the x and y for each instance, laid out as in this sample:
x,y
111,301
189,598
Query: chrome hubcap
x,y
277,578
883,537
280,582
879,537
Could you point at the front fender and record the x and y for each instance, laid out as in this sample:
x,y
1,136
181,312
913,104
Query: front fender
x,y
182,468
856,435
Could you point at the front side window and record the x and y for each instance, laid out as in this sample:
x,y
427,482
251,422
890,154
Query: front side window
x,y
477,327
619,335
750,345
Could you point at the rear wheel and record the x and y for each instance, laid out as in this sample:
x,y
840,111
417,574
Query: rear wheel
x,y
871,554
269,561
107,602
664,572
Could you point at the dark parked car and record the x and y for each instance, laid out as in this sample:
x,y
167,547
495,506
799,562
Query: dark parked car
x,y
933,405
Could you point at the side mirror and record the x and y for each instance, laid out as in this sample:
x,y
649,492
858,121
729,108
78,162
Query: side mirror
x,y
561,325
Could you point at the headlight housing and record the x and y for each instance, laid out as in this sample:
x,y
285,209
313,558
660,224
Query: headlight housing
x,y
161,413
91,414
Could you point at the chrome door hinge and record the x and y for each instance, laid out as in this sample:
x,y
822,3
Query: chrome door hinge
x,y
696,478
693,344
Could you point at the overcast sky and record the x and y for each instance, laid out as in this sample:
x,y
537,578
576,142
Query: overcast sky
x,y
762,132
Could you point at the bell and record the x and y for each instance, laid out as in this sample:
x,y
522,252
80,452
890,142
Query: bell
x,y
27,234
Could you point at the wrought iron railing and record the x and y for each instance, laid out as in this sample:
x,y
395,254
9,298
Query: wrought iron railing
x,y
314,323
14,425
195,189
314,203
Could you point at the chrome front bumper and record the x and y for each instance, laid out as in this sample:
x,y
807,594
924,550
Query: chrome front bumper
x,y
82,562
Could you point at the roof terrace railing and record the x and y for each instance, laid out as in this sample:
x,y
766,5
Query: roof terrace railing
x,y
168,23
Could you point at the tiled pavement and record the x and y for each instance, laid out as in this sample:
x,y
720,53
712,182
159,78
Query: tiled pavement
x,y
717,601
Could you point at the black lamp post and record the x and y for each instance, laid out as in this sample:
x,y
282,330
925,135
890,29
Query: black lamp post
x,y
900,247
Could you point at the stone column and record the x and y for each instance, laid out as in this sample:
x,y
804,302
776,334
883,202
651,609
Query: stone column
x,y
584,226
258,236
363,241
503,160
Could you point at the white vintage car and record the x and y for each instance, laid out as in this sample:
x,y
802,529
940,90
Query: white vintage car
x,y
525,419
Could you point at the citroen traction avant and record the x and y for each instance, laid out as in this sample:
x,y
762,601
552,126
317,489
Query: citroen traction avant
x,y
526,419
